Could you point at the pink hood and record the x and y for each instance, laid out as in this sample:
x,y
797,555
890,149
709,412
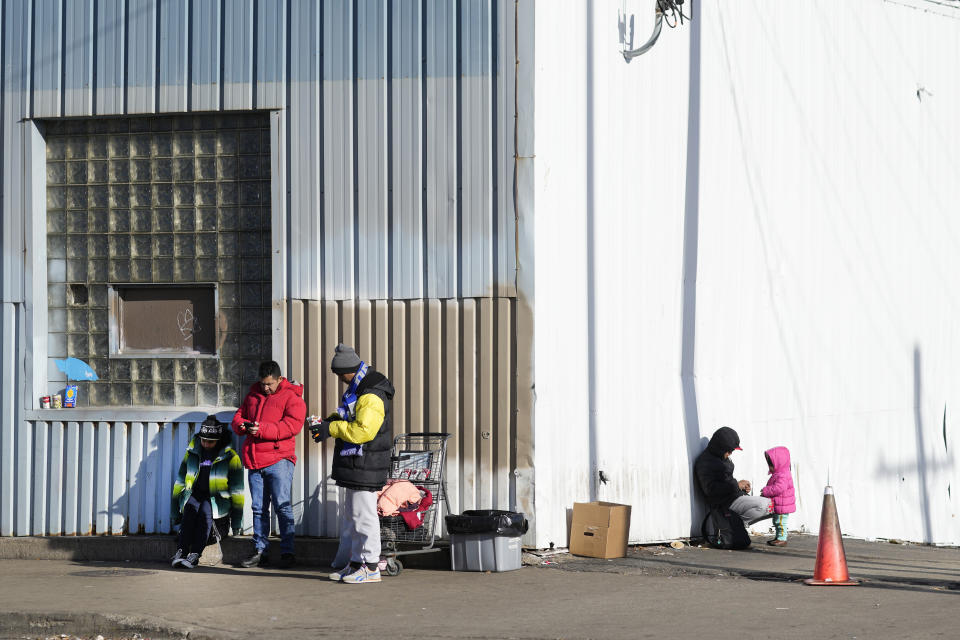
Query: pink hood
x,y
780,457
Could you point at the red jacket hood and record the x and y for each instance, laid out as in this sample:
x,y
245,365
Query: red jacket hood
x,y
285,385
780,457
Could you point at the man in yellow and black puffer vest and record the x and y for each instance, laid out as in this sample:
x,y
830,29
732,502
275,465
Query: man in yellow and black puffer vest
x,y
363,430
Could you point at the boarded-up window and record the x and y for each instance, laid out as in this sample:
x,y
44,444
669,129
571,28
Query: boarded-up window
x,y
163,319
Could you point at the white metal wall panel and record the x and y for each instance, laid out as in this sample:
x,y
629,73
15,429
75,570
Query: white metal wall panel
x,y
305,145
110,55
205,48
406,145
339,129
47,76
174,44
476,157
271,33
142,56
238,55
824,303
441,149
371,153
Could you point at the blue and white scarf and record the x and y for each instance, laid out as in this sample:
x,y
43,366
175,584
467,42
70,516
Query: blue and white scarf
x,y
348,409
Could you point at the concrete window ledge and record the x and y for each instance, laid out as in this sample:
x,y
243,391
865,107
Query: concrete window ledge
x,y
130,414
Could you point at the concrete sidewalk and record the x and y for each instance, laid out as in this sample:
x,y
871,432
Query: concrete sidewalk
x,y
657,591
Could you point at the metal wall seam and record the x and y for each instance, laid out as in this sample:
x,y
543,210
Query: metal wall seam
x,y
78,53
23,470
406,168
270,62
339,128
34,265
135,480
8,414
476,158
71,479
142,56
38,483
238,49
372,237
55,479
504,72
173,49
305,140
110,57
523,192
205,40
441,128
16,103
47,57
280,223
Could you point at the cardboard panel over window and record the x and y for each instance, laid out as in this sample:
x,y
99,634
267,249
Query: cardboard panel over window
x,y
165,319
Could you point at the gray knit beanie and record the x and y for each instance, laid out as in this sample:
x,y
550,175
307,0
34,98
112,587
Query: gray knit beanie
x,y
345,360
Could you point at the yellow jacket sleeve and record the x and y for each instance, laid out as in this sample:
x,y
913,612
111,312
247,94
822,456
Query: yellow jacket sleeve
x,y
369,418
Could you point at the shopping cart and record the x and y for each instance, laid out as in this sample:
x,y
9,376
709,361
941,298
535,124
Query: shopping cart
x,y
421,459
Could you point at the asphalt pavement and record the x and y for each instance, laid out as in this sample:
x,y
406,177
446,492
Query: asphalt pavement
x,y
657,591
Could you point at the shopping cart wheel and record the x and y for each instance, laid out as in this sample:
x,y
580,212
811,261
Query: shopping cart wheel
x,y
394,567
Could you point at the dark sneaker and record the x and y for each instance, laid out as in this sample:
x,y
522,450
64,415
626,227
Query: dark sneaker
x,y
287,560
777,543
256,560
190,561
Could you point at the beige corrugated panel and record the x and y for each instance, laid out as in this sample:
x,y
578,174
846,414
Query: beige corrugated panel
x,y
453,363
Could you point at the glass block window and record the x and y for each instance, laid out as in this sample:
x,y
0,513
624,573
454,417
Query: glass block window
x,y
159,200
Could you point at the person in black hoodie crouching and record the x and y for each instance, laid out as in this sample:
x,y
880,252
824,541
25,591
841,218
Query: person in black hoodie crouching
x,y
714,472
361,462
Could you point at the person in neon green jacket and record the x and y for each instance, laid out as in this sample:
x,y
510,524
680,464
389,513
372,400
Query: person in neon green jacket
x,y
209,488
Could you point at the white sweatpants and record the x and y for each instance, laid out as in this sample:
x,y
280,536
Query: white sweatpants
x,y
359,529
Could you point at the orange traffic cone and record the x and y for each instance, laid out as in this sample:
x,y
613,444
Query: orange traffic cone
x,y
831,568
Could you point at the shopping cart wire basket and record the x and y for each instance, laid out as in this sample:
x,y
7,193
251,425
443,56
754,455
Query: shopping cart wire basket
x,y
421,459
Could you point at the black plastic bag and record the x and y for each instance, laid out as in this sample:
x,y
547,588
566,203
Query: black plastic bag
x,y
501,523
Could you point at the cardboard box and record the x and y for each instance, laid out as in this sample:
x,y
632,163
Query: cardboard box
x,y
600,529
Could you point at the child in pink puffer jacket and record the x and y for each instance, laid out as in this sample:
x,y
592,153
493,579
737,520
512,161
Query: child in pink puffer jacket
x,y
780,489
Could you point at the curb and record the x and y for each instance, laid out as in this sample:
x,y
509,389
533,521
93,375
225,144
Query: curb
x,y
310,552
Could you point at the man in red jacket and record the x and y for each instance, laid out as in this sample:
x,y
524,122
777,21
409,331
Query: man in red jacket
x,y
270,417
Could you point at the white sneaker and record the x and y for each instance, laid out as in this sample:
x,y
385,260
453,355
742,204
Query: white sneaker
x,y
177,558
190,561
337,575
362,575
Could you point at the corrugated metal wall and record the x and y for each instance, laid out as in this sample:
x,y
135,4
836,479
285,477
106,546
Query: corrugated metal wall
x,y
396,147
399,127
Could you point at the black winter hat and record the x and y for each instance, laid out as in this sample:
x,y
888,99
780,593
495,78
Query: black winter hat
x,y
211,428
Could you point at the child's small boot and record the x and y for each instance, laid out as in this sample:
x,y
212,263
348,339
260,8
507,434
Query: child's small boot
x,y
780,524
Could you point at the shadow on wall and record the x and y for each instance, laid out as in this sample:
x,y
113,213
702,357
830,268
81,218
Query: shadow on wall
x,y
924,466
691,223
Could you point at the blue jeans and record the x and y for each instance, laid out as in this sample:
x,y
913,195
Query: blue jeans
x,y
272,483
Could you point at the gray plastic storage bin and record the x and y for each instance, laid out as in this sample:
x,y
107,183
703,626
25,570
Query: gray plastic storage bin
x,y
484,552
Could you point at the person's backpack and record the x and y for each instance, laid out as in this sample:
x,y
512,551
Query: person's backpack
x,y
724,529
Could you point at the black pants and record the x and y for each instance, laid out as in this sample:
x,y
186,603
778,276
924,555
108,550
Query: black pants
x,y
196,526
